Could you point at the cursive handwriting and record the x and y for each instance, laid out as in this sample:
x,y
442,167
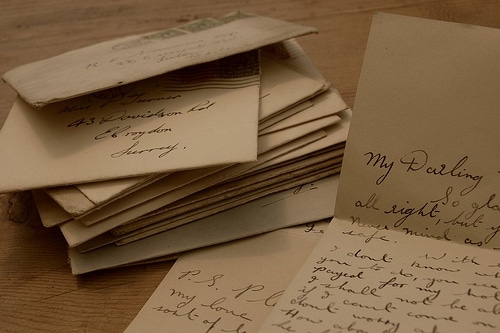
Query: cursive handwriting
x,y
380,161
418,160
139,98
367,236
425,210
123,115
460,213
117,131
431,288
123,96
131,151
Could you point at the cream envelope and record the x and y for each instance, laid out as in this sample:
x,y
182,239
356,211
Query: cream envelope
x,y
115,187
210,210
177,214
267,143
76,233
284,68
133,58
272,141
284,114
245,277
308,114
166,123
335,135
186,211
294,78
53,214
414,243
82,198
140,203
49,211
304,204
137,204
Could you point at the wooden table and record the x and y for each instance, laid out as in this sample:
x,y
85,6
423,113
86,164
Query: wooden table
x,y
37,291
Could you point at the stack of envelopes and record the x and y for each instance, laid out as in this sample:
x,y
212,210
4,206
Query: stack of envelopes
x,y
147,146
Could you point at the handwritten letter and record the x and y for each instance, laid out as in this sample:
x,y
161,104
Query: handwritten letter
x,y
421,157
363,278
230,288
414,243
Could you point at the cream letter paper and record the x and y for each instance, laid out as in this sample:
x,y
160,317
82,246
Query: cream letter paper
x,y
415,239
228,288
363,279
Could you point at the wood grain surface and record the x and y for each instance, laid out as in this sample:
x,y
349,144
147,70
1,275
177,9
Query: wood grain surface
x,y
37,291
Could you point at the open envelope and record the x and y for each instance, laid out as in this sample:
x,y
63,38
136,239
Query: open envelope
x,y
75,233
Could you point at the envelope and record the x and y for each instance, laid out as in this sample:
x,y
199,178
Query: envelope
x,y
286,152
307,203
191,118
133,58
284,68
284,114
151,198
76,233
232,197
81,198
303,114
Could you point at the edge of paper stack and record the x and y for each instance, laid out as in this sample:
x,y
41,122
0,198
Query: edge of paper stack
x,y
296,149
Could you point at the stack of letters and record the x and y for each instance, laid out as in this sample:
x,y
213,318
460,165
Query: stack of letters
x,y
147,146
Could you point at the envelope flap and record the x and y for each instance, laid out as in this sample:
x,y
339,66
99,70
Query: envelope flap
x,y
121,61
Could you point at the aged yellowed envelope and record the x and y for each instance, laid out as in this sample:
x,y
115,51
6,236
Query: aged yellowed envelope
x,y
191,118
129,59
135,205
303,204
285,68
81,198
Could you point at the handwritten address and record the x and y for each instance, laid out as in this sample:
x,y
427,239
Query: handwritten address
x,y
128,126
